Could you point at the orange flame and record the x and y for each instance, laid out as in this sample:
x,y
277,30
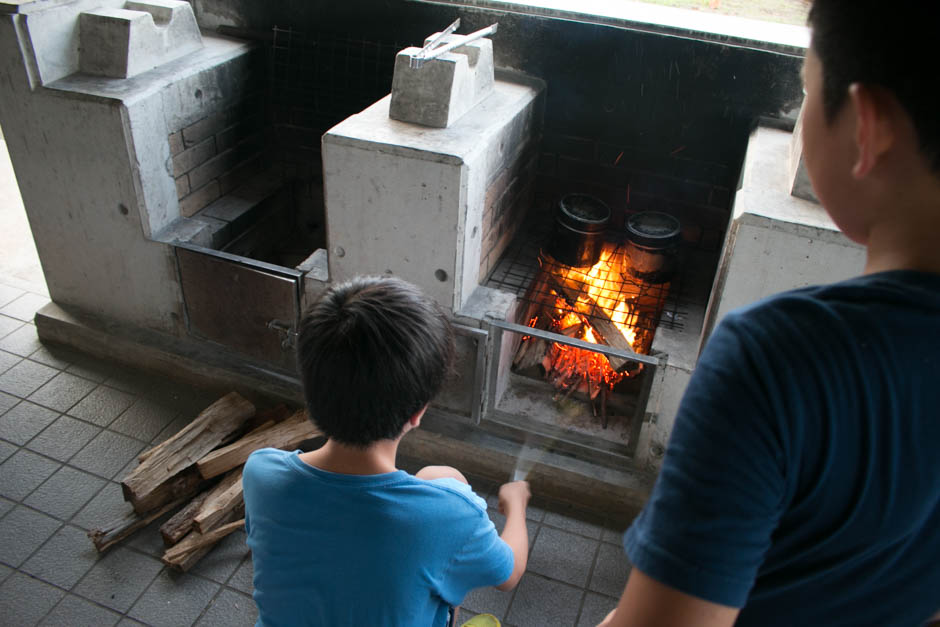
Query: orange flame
x,y
603,289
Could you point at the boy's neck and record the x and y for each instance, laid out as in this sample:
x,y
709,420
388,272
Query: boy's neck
x,y
906,239
348,460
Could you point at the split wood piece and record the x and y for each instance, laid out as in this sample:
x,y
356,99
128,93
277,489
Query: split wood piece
x,y
599,319
109,535
166,470
223,459
261,420
188,551
181,523
178,554
221,500
285,435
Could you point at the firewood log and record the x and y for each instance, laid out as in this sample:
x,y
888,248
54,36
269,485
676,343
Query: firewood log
x,y
112,533
181,523
220,501
599,320
169,471
187,552
285,435
178,555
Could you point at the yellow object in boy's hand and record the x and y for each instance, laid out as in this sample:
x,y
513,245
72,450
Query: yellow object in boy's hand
x,y
482,620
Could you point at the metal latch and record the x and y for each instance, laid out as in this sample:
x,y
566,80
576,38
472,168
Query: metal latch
x,y
286,331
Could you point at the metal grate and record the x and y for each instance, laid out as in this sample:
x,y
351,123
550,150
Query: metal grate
x,y
519,269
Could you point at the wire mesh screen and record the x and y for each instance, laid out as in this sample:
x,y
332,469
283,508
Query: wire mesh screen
x,y
318,79
539,280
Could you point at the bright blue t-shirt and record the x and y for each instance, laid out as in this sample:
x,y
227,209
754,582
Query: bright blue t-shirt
x,y
802,477
390,549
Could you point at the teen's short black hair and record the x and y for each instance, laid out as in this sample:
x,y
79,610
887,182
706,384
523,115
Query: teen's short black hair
x,y
372,352
886,44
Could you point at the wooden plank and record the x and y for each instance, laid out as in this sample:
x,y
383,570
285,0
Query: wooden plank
x,y
221,500
160,477
109,535
285,435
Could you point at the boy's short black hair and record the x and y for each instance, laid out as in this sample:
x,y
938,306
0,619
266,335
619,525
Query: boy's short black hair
x,y
372,352
886,44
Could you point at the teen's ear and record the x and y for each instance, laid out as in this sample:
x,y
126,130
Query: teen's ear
x,y
874,128
415,420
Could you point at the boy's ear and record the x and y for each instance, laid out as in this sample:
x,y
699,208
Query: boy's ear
x,y
416,419
874,128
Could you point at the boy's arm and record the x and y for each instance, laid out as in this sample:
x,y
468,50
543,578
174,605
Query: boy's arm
x,y
648,603
513,499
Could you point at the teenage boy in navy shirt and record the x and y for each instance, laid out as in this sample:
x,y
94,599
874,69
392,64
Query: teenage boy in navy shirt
x,y
339,536
801,484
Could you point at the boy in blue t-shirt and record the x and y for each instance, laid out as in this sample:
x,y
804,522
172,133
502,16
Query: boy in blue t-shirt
x,y
801,484
338,535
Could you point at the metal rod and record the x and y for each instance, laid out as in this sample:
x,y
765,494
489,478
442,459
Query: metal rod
x,y
418,60
564,339
439,38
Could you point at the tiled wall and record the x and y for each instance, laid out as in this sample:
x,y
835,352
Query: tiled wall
x,y
214,155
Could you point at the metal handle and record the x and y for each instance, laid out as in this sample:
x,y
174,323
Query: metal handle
x,y
287,330
418,59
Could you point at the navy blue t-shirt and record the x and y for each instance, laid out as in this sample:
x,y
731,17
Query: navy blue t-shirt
x,y
802,477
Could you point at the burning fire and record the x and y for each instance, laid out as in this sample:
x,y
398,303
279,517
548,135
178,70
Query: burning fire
x,y
604,287
599,297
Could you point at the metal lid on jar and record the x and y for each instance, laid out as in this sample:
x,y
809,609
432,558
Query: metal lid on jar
x,y
653,229
583,213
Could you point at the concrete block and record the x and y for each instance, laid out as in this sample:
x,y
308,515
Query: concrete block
x,y
436,94
480,61
442,89
800,185
125,42
409,201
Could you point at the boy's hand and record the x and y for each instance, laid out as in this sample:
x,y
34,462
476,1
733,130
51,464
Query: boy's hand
x,y
513,495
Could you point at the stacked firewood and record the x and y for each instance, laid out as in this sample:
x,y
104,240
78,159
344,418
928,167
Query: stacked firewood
x,y
198,472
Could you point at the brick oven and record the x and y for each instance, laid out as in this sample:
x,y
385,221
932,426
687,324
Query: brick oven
x,y
208,184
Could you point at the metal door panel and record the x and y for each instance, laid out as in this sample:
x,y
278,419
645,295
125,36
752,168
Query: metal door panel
x,y
250,306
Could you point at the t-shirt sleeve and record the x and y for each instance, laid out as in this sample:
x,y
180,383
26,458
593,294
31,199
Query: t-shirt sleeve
x,y
483,560
719,496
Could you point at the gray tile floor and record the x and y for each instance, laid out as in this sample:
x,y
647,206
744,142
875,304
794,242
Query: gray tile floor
x,y
70,429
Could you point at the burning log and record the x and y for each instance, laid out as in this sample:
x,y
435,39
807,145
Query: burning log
x,y
571,291
169,472
285,435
